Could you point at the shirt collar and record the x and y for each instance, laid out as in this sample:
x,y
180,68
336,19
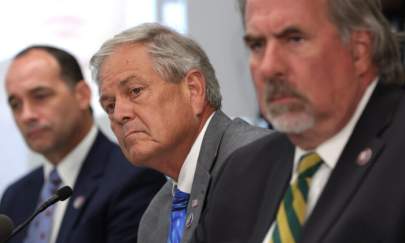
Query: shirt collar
x,y
187,171
331,149
69,167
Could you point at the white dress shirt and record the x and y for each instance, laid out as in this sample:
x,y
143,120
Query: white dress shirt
x,y
68,169
329,151
187,171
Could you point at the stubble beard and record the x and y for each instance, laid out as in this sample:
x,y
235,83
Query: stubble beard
x,y
284,119
293,118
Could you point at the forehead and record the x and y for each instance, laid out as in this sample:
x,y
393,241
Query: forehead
x,y
277,14
32,69
125,59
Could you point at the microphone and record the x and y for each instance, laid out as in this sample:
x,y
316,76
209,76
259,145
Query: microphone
x,y
61,194
6,227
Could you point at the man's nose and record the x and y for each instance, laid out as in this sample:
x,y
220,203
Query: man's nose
x,y
273,62
28,113
123,111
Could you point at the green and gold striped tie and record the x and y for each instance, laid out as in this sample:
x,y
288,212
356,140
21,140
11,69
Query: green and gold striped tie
x,y
292,210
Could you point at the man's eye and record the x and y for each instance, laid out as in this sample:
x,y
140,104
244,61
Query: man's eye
x,y
109,108
295,39
14,105
135,91
41,96
255,46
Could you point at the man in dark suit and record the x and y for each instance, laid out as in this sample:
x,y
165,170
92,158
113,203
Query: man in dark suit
x,y
163,100
328,78
50,103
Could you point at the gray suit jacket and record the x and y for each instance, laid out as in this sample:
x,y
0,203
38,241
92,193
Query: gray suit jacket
x,y
223,136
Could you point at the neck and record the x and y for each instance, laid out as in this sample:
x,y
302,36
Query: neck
x,y
178,161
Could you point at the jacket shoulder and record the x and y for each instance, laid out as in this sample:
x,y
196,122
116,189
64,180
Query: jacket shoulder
x,y
238,134
16,191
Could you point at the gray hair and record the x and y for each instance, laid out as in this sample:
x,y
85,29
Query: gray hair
x,y
173,56
354,15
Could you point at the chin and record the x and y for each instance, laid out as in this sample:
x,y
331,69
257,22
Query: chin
x,y
292,123
40,148
137,158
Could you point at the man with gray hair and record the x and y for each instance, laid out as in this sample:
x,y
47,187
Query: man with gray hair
x,y
329,79
163,100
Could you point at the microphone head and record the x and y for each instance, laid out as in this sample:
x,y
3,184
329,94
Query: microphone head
x,y
6,227
64,192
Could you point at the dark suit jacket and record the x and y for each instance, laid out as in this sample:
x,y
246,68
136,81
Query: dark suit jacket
x,y
115,196
223,136
361,202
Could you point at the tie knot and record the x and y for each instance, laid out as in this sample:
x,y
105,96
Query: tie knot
x,y
309,164
54,178
180,199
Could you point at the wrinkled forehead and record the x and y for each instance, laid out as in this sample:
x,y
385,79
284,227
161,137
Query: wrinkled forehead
x,y
265,7
272,13
124,58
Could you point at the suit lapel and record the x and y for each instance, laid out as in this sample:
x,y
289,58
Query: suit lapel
x,y
205,164
155,227
86,185
276,185
162,227
348,174
31,195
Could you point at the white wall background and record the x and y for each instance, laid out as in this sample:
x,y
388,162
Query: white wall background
x,y
217,26
80,26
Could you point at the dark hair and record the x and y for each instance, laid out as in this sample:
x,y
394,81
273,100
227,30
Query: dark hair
x,y
70,70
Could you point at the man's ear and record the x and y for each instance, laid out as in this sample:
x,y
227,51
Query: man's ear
x,y
195,84
362,48
83,94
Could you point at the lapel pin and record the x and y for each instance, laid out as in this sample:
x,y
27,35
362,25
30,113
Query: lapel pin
x,y
189,220
78,202
194,203
364,156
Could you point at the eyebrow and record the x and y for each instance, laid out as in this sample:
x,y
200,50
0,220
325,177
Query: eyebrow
x,y
248,38
293,29
104,98
121,83
288,31
12,97
130,78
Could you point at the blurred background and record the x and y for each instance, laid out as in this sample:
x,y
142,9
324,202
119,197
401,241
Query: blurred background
x,y
80,26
